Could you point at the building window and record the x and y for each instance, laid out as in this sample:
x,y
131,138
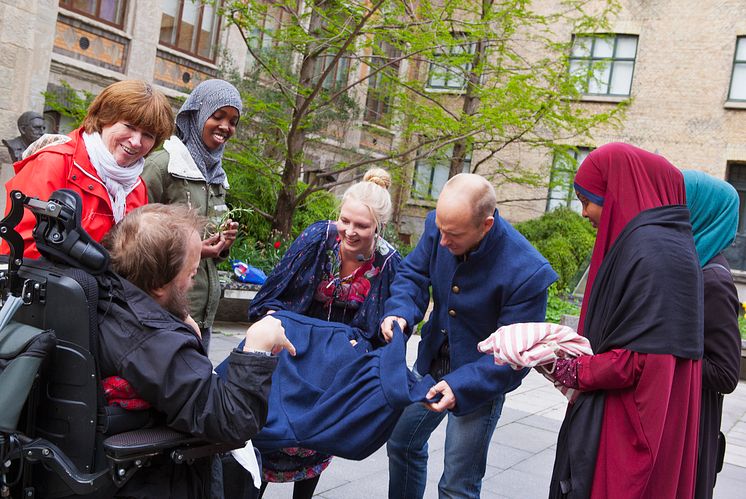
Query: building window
x,y
736,253
261,37
561,190
738,80
337,77
431,174
190,26
450,67
603,65
380,84
737,178
108,11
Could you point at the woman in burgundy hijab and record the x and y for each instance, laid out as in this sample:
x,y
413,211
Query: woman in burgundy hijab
x,y
632,433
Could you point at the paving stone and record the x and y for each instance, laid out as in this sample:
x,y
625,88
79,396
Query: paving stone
x,y
521,454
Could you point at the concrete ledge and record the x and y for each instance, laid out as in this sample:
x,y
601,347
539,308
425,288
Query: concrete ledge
x,y
239,294
235,299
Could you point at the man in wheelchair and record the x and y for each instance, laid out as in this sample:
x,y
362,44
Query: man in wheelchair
x,y
139,331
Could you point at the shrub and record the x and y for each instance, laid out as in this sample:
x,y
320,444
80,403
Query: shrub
x,y
564,238
558,305
256,243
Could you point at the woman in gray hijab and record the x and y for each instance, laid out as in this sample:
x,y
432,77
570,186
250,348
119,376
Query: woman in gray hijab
x,y
189,170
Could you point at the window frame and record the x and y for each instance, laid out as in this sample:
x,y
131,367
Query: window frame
x,y
336,79
736,176
67,5
378,98
449,69
217,23
733,70
569,199
590,62
433,162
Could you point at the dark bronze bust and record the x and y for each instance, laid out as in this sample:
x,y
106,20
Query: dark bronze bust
x,y
31,125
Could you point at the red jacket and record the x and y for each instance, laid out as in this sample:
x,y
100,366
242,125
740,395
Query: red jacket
x,y
66,166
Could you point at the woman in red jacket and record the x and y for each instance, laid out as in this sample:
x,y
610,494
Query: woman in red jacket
x,y
102,160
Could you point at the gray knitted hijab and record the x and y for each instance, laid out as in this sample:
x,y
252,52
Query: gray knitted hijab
x,y
205,99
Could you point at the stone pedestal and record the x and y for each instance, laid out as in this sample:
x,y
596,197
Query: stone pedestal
x,y
235,299
6,173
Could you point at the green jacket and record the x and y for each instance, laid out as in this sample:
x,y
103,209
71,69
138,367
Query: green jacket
x,y
172,177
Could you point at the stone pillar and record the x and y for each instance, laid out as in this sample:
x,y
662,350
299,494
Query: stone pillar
x,y
233,44
146,26
26,36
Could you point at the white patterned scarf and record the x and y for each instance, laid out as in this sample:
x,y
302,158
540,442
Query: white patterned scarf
x,y
119,181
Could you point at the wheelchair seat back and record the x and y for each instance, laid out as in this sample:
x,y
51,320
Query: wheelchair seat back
x,y
64,300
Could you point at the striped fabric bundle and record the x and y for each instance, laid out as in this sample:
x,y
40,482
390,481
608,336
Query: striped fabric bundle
x,y
532,344
536,344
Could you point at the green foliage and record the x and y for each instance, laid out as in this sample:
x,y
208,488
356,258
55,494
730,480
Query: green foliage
x,y
392,237
70,102
314,63
264,254
564,238
742,326
559,304
256,191
251,196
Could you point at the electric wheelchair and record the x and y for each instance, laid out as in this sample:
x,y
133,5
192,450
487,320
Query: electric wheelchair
x,y
58,438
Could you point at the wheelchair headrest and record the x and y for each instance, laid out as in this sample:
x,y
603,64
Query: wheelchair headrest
x,y
60,237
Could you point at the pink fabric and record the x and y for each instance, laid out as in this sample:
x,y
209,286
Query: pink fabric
x,y
532,344
630,180
536,344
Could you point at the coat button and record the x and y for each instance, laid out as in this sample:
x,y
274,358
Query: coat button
x,y
456,289
75,177
90,187
452,313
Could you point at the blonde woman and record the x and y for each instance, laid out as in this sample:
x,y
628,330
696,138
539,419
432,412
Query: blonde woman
x,y
337,271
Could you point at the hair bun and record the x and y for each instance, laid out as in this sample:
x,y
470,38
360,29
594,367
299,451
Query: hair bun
x,y
378,176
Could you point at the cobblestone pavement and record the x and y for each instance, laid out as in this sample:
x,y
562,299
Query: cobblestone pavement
x,y
521,454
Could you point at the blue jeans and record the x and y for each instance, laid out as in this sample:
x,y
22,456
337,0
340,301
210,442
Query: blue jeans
x,y
467,442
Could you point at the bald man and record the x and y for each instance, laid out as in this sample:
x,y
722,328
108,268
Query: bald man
x,y
483,274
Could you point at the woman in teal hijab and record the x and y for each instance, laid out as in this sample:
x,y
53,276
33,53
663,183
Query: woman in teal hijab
x,y
713,205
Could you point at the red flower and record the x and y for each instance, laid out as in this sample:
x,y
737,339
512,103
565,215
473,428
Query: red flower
x,y
277,244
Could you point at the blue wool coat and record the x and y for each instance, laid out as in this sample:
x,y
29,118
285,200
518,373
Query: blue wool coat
x,y
503,281
331,397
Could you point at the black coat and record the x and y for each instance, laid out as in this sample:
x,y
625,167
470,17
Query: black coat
x,y
163,360
720,365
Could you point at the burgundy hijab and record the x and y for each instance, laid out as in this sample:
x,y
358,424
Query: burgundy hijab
x,y
625,180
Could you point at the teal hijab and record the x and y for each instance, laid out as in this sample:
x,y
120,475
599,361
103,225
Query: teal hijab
x,y
713,205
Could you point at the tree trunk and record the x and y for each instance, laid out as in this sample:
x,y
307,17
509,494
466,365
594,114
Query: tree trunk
x,y
287,200
471,101
471,106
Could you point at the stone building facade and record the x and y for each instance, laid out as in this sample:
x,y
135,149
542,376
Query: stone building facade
x,y
681,62
93,43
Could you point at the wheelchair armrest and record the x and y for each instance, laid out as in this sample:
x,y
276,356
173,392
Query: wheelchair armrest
x,y
145,442
138,444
